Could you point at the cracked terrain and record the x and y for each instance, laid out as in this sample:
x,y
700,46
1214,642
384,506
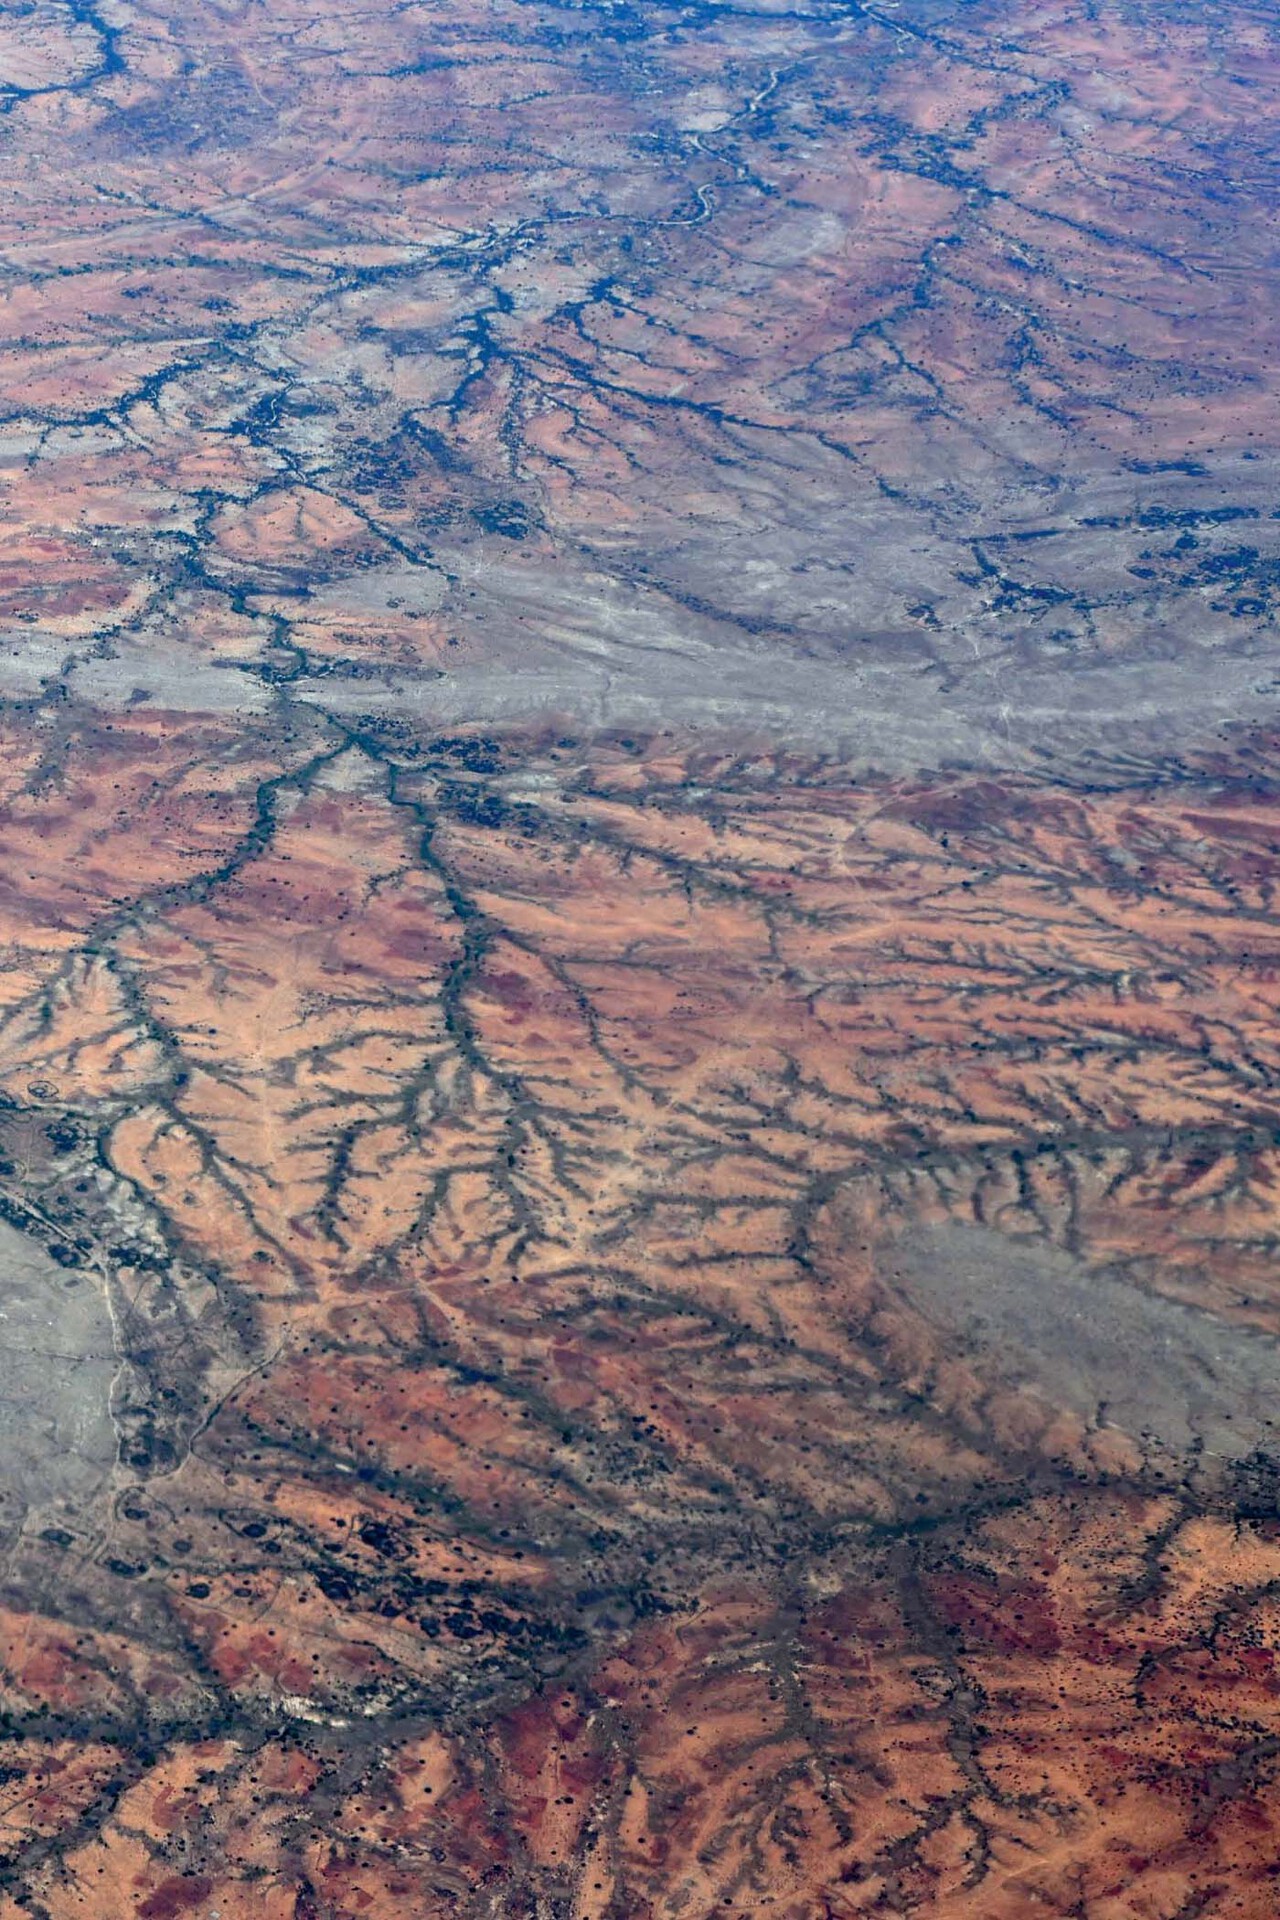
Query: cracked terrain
x,y
639,960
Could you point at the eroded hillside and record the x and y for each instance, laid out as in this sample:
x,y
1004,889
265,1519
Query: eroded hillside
x,y
639,1076
536,1184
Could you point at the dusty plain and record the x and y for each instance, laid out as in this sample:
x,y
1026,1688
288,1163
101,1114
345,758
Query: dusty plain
x,y
639,960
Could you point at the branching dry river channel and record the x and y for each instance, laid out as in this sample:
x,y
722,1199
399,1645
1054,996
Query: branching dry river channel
x,y
639,960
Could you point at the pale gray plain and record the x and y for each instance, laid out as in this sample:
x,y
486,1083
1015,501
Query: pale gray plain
x,y
57,1364
1029,1314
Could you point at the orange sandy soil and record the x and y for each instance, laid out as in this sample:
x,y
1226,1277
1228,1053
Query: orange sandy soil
x,y
536,1500
559,1515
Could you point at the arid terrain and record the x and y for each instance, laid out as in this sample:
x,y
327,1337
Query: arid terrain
x,y
639,960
